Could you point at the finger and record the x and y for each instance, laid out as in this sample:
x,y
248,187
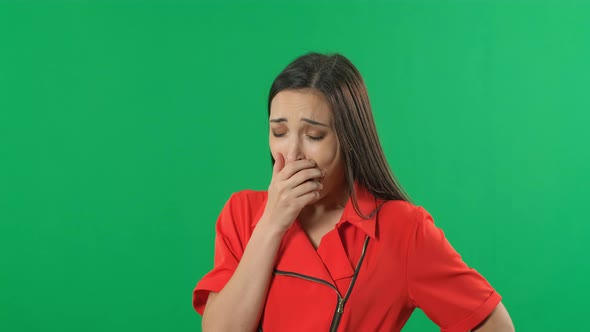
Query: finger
x,y
294,167
305,188
308,198
303,176
279,163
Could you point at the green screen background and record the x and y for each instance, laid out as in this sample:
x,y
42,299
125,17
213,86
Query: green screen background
x,y
126,125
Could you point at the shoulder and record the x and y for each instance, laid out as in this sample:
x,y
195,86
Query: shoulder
x,y
247,199
401,210
403,216
251,194
240,210
243,206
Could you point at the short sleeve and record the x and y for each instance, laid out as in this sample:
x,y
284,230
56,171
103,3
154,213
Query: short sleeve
x,y
453,295
228,252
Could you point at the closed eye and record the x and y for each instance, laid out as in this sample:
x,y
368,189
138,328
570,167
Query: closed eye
x,y
313,138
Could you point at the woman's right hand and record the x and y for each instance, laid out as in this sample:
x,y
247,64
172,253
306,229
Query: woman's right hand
x,y
290,190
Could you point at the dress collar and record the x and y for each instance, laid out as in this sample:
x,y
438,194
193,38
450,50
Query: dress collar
x,y
367,203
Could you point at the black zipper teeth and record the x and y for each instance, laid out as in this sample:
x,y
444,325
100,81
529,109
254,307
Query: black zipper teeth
x,y
356,270
303,276
337,313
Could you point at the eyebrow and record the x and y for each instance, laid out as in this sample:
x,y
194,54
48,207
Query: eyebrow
x,y
310,121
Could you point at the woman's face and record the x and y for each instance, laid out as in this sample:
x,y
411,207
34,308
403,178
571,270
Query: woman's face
x,y
301,127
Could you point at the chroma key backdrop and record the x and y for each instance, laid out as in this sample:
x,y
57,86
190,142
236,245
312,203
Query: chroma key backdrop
x,y
126,125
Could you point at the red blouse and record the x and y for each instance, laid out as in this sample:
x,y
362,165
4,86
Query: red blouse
x,y
403,261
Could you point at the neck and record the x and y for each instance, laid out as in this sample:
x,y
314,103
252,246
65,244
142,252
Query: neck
x,y
334,201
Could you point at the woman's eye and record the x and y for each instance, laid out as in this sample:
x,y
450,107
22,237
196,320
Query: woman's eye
x,y
316,138
278,135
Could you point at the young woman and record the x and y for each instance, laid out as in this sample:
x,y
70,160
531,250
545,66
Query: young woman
x,y
334,244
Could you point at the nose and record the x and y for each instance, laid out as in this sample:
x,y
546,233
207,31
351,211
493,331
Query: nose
x,y
294,151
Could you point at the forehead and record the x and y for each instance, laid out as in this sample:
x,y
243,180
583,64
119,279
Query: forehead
x,y
303,103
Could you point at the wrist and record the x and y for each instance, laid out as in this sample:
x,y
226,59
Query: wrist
x,y
270,227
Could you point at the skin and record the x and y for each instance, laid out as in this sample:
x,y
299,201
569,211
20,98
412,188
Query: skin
x,y
301,127
498,320
308,184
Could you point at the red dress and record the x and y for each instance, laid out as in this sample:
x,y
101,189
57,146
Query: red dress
x,y
366,274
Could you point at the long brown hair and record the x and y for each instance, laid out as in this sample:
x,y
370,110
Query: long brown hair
x,y
344,88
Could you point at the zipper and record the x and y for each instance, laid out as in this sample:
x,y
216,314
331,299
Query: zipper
x,y
341,301
337,315
303,276
340,308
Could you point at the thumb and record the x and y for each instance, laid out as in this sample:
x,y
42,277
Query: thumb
x,y
279,163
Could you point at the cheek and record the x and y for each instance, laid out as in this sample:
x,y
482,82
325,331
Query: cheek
x,y
325,156
276,147
272,146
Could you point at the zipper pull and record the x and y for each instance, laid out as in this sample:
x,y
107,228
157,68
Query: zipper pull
x,y
340,306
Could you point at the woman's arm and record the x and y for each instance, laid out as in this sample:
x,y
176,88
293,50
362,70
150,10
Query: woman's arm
x,y
498,321
238,306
